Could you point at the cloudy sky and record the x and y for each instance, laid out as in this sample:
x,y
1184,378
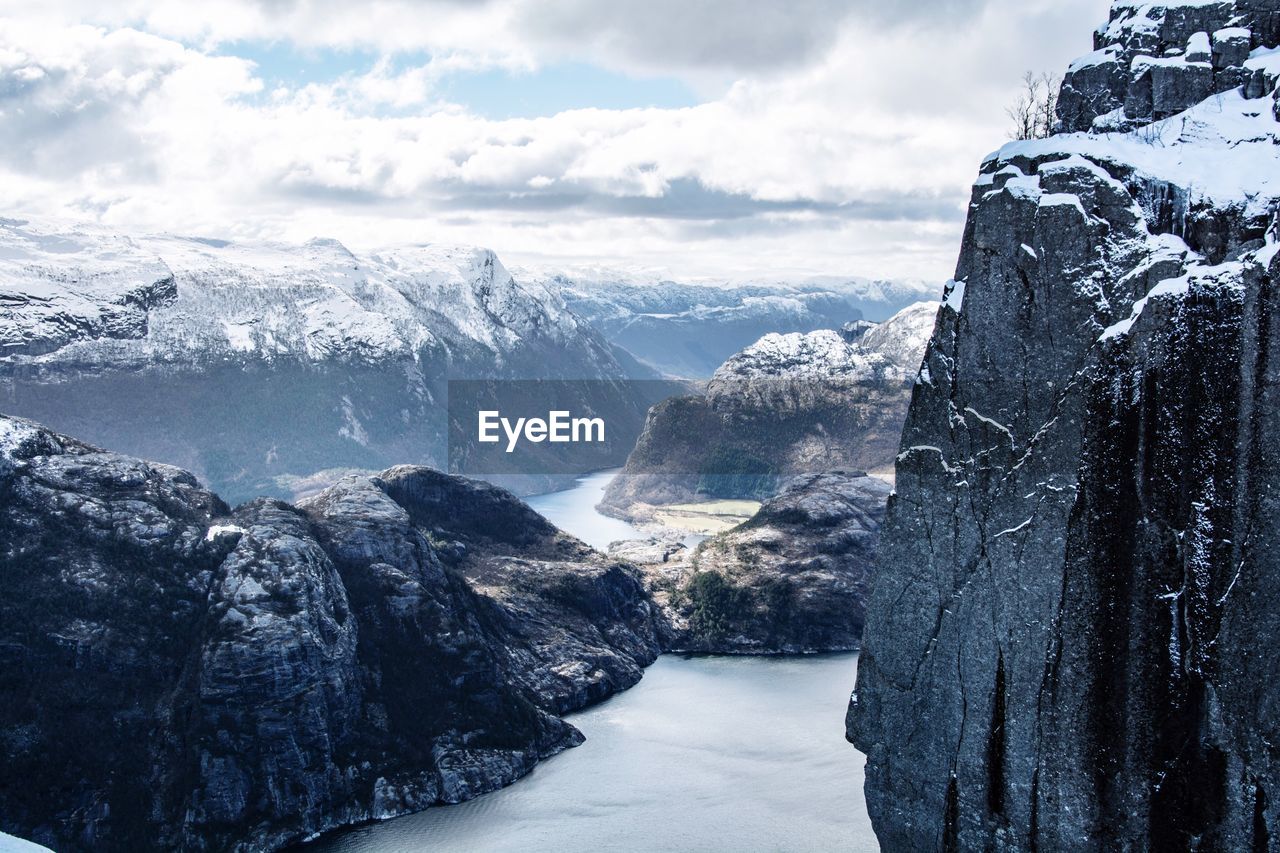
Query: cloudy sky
x,y
708,138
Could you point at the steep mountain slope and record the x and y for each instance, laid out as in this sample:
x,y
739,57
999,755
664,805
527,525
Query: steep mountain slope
x,y
1078,569
180,675
793,579
257,365
688,330
786,405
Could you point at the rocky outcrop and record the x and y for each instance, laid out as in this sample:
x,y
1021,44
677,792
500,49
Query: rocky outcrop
x,y
792,579
1155,60
181,675
1077,571
268,368
785,406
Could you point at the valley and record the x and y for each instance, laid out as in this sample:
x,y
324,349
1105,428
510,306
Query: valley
x,y
715,521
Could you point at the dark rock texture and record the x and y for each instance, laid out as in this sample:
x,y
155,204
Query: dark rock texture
x,y
1154,60
1068,644
179,675
792,579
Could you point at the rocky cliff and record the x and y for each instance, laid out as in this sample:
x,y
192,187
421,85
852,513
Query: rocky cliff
x,y
1067,644
787,405
182,675
258,366
792,579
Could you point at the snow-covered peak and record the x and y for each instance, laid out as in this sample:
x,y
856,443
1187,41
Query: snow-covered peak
x,y
890,351
903,337
817,355
84,293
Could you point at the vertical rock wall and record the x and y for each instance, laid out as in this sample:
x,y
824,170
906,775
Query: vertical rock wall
x,y
1068,644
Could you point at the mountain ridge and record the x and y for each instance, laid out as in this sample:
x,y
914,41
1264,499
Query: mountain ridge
x,y
784,406
258,365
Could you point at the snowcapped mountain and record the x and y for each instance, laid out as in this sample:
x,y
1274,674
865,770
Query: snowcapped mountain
x,y
815,355
786,405
89,294
259,365
877,352
687,330
902,338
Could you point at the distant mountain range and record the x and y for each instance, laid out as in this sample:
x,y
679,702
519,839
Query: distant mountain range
x,y
268,369
272,369
786,405
687,330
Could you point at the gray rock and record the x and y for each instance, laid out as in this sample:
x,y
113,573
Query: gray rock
x,y
792,579
1231,47
1176,87
653,551
1076,573
197,678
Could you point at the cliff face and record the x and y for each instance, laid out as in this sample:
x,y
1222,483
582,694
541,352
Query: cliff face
x,y
787,405
1066,644
180,675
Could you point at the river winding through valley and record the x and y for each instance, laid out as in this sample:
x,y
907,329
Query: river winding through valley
x,y
704,754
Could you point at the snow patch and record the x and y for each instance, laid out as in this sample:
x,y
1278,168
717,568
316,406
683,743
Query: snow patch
x,y
1063,199
13,433
953,295
217,531
14,844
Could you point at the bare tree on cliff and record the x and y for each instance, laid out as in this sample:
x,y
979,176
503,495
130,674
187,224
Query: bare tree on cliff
x,y
1035,110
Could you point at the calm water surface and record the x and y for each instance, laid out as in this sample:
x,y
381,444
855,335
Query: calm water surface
x,y
705,754
574,510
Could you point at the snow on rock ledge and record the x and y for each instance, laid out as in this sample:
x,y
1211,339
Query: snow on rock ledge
x,y
1154,60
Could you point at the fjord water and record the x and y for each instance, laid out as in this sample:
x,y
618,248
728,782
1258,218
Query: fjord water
x,y
705,754
574,510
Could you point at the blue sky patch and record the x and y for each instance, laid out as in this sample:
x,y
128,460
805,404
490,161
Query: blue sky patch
x,y
494,93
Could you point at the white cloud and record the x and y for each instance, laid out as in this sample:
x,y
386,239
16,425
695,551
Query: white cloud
x,y
842,145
